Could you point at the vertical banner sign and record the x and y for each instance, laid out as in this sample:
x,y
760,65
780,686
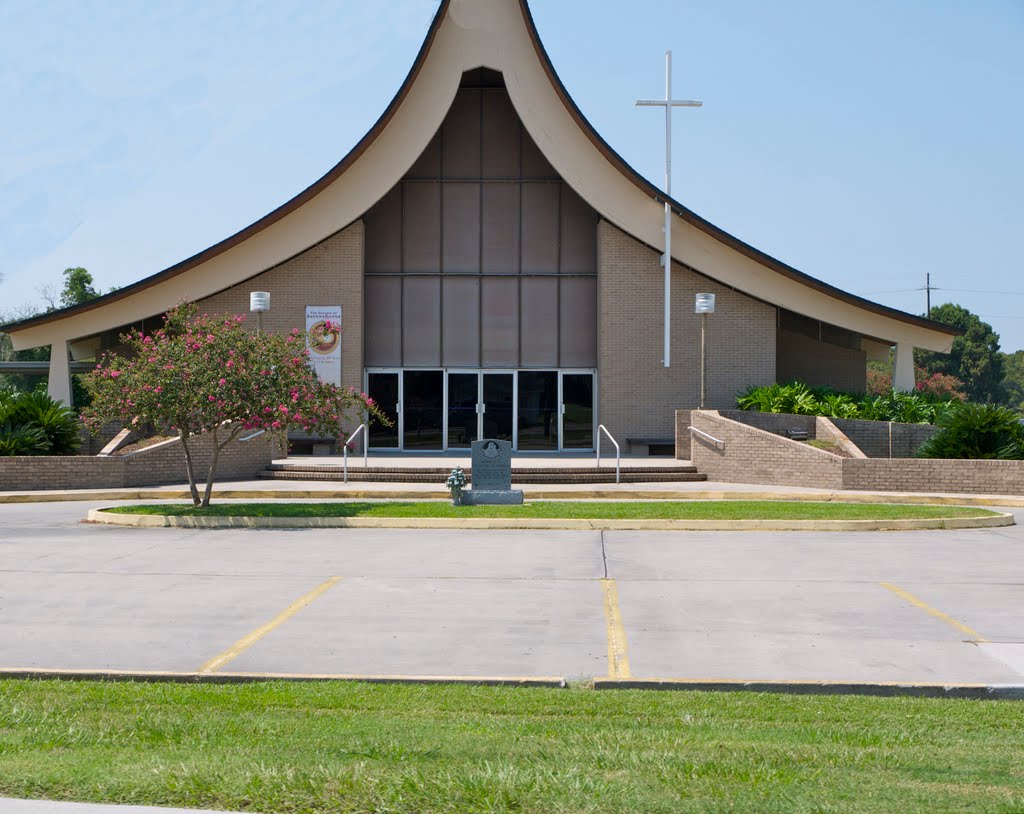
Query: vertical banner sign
x,y
323,338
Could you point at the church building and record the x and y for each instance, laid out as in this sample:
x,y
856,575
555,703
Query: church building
x,y
498,270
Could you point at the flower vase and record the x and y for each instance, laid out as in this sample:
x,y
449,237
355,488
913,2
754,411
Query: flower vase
x,y
456,497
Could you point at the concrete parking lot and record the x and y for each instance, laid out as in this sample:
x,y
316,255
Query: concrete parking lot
x,y
944,606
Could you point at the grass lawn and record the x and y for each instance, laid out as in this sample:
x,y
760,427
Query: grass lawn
x,y
624,510
322,747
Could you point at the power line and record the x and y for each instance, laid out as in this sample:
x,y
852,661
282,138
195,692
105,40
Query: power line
x,y
985,291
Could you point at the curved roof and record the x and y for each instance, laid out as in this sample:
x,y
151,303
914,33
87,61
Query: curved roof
x,y
497,34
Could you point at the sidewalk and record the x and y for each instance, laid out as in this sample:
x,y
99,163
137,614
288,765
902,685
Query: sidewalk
x,y
336,490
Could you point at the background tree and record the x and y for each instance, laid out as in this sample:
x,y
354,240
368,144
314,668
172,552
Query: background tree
x,y
207,374
975,358
1013,380
77,287
20,381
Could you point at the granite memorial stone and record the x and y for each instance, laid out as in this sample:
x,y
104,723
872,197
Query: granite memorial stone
x,y
492,475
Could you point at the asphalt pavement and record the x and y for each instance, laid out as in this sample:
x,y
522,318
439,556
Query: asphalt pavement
x,y
922,606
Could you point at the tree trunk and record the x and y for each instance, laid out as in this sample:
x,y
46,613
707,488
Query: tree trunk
x,y
189,470
215,454
236,430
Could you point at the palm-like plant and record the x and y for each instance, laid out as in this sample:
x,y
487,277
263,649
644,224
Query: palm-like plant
x,y
22,439
977,431
59,423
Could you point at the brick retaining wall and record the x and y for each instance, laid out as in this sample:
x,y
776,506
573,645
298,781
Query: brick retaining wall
x,y
29,472
159,464
753,455
935,475
873,436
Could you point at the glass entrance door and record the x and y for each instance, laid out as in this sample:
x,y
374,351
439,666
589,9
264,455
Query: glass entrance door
x,y
499,406
480,405
577,429
422,409
536,410
383,389
463,409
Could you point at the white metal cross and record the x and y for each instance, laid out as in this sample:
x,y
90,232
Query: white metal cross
x,y
668,103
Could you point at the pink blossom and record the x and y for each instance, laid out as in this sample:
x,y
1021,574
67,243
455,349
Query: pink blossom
x,y
222,382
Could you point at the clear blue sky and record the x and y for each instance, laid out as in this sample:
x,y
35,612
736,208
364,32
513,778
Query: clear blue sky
x,y
863,143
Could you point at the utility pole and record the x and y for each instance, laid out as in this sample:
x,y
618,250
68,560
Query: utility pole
x,y
928,288
668,103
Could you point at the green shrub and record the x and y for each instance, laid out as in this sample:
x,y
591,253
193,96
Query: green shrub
x,y
22,439
977,431
35,424
800,399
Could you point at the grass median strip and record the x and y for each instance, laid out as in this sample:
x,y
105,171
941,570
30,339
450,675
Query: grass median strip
x,y
580,510
366,748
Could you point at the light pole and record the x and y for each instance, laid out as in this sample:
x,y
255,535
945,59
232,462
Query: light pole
x,y
259,301
704,304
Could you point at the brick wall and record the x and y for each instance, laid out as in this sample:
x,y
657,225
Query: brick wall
x,y
806,359
165,462
933,475
752,455
158,464
31,472
873,436
330,273
777,423
638,396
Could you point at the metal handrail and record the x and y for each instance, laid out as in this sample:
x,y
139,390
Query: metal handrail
x,y
711,438
366,446
602,428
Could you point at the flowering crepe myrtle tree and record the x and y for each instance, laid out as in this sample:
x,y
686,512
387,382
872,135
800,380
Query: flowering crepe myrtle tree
x,y
207,374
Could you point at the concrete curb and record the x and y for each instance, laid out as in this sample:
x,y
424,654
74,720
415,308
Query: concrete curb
x,y
531,494
164,676
163,521
880,689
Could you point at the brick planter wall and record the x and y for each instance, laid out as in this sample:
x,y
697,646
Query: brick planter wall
x,y
159,464
165,462
873,436
753,455
935,475
32,472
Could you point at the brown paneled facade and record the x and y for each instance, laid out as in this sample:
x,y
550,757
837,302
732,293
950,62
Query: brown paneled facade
x,y
482,259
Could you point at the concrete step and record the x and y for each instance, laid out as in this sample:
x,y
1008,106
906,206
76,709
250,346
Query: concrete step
x,y
609,465
520,476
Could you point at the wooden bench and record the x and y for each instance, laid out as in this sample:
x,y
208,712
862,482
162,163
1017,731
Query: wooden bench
x,y
651,446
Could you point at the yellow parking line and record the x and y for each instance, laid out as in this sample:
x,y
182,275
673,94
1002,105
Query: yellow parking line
x,y
618,651
945,617
249,640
